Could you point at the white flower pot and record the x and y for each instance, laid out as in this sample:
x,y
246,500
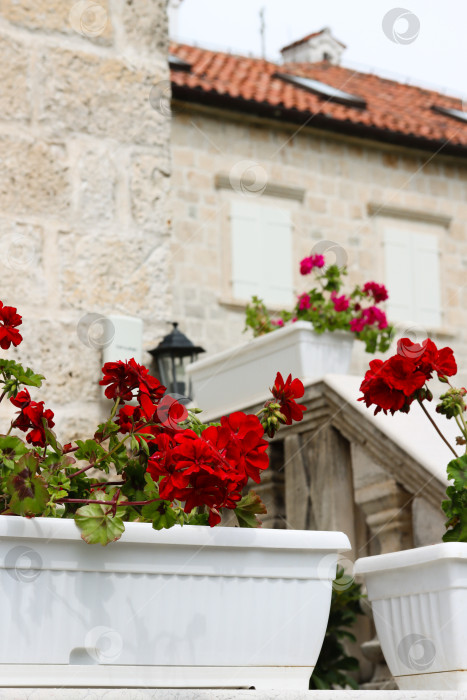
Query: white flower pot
x,y
185,607
419,601
241,376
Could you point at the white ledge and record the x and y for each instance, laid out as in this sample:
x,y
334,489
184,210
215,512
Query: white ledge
x,y
192,694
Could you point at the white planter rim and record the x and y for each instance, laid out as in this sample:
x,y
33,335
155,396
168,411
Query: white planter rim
x,y
188,535
411,557
264,341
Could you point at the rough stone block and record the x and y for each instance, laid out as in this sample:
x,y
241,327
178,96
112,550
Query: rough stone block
x,y
15,98
88,18
116,272
98,181
52,347
147,185
22,258
146,25
33,177
102,97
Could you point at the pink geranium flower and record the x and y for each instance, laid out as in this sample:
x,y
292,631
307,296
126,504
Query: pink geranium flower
x,y
340,303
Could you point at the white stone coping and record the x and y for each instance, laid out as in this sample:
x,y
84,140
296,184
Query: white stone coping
x,y
411,431
192,694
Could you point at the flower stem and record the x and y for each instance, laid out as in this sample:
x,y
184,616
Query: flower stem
x,y
437,429
114,409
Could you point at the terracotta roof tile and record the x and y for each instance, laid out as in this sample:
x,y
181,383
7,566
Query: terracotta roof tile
x,y
393,107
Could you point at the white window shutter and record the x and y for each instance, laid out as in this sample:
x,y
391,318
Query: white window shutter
x,y
246,250
398,275
426,281
277,256
412,277
261,253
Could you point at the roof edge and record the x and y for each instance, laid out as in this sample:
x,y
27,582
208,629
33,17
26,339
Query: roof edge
x,y
319,121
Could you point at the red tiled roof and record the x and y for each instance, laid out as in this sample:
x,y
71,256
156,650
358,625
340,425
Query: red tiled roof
x,y
307,38
394,111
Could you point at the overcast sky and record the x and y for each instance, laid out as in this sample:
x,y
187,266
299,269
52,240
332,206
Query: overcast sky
x,y
434,52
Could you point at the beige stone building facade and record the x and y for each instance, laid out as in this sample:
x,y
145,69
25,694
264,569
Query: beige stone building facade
x,y
84,182
362,194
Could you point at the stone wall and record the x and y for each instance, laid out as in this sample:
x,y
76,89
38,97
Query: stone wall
x,y
349,186
84,179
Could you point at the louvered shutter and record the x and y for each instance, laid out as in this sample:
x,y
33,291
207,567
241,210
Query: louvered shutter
x,y
426,279
246,250
276,256
412,277
398,275
261,253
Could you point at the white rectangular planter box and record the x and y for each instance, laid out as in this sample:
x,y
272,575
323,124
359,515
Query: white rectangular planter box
x,y
242,376
419,602
185,607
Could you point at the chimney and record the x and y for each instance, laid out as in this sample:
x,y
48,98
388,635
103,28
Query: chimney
x,y
319,46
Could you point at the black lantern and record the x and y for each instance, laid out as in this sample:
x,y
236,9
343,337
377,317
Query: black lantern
x,y
172,355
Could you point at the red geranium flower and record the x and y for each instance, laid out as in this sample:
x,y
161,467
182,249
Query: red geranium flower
x,y
377,291
340,303
400,373
307,264
9,319
122,378
376,390
171,412
31,418
428,358
393,385
286,393
369,317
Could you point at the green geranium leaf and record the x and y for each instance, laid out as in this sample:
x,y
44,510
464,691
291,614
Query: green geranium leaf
x,y
457,471
11,449
97,522
151,489
16,375
455,507
198,519
161,514
28,490
248,508
89,450
51,438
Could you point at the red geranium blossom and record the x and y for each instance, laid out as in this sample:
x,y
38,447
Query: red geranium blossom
x,y
286,393
307,264
9,319
428,358
196,472
369,317
340,303
393,385
239,439
30,418
304,302
376,391
377,291
171,412
122,378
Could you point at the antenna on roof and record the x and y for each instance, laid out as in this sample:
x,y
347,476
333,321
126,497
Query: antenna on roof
x,y
263,32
